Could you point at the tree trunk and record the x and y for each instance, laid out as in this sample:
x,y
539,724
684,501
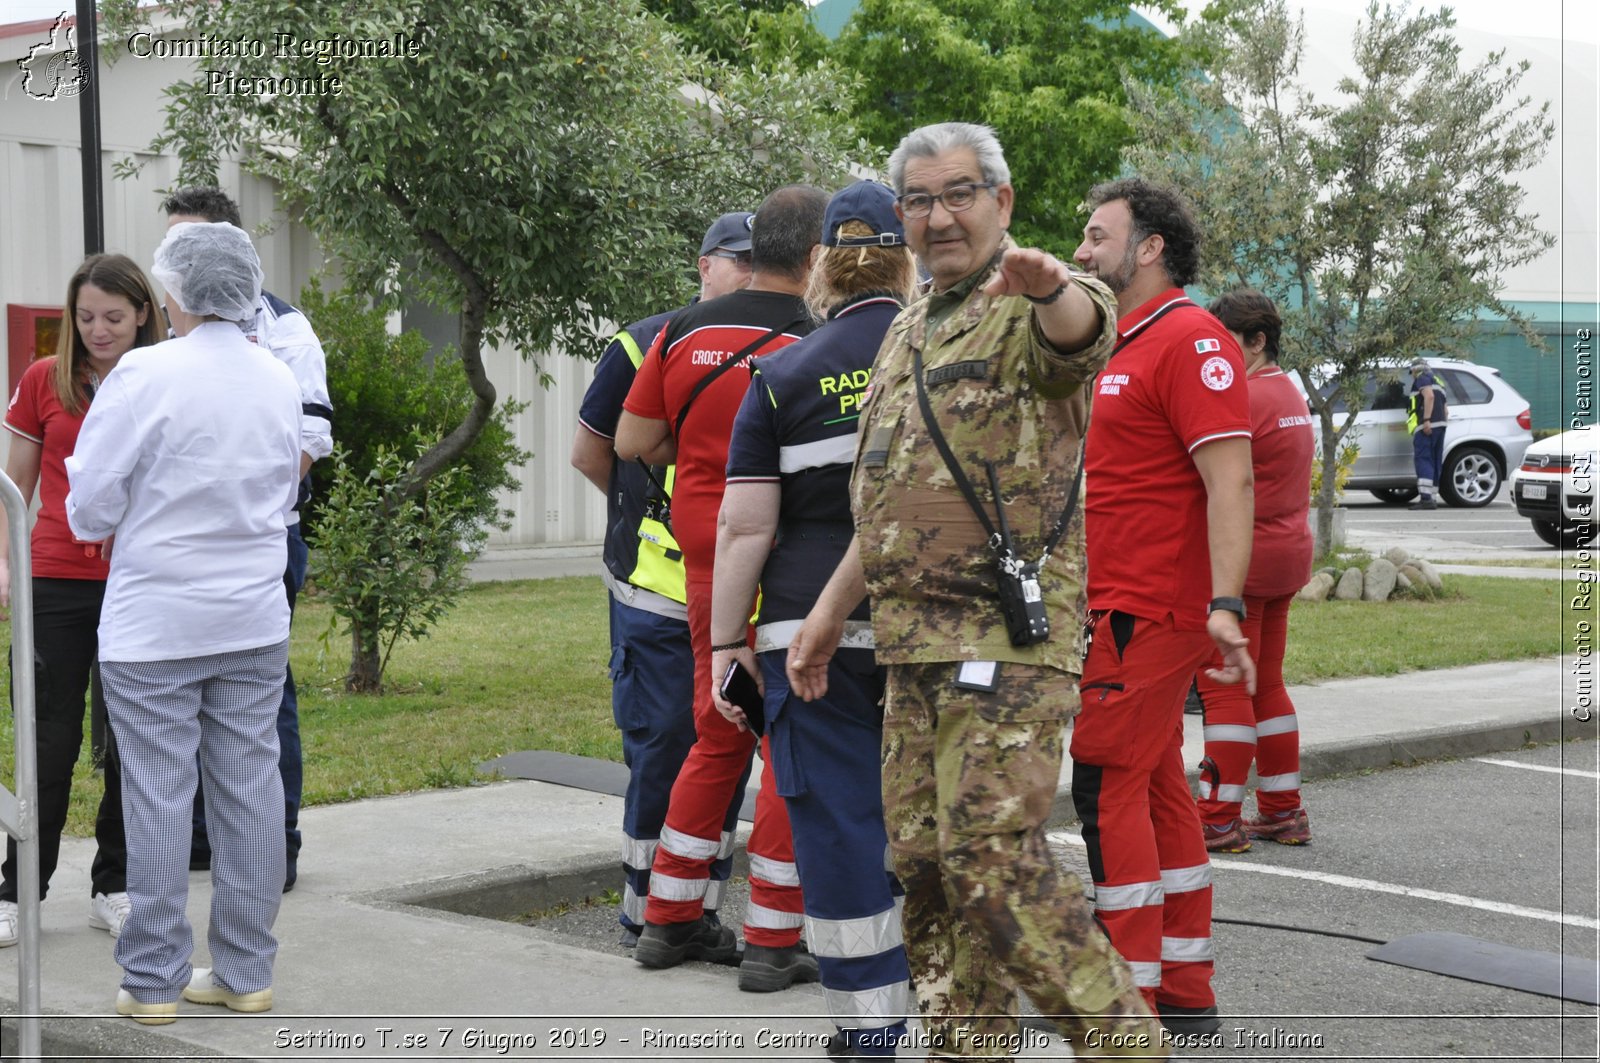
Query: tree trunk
x,y
366,675
1326,492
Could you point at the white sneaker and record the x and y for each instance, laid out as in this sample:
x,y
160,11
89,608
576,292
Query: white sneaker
x,y
9,922
108,911
204,988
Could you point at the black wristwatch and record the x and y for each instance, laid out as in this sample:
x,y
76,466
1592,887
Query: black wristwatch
x,y
1232,605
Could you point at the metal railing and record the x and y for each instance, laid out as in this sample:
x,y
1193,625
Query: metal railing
x,y
19,812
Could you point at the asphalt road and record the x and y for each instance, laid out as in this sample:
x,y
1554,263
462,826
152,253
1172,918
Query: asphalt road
x,y
1503,854
1508,853
1446,533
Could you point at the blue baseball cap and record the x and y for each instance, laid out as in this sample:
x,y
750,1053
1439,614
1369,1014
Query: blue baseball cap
x,y
731,232
865,201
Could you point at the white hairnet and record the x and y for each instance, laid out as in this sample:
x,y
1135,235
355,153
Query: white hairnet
x,y
210,268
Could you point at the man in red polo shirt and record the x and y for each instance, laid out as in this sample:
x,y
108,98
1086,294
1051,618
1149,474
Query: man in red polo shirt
x,y
681,408
1168,517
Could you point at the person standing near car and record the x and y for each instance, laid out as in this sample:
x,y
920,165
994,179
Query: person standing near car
x,y
1426,421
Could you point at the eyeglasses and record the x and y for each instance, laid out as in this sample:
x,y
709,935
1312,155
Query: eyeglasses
x,y
956,198
741,257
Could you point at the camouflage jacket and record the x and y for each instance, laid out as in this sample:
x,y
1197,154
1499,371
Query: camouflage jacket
x,y
1001,393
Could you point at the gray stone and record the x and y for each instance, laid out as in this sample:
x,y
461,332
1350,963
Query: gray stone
x,y
1430,574
1415,580
1397,556
1350,584
1402,582
1318,589
1379,581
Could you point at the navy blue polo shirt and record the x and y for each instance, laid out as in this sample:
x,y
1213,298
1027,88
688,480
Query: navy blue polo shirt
x,y
797,428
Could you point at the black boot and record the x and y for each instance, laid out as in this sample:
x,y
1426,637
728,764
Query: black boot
x,y
1188,1022
669,944
767,969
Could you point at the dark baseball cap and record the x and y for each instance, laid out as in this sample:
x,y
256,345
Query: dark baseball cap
x,y
865,201
731,232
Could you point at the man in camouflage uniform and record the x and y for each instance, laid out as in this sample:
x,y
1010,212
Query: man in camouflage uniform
x,y
973,724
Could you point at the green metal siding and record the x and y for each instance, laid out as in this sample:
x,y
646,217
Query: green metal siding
x,y
1558,382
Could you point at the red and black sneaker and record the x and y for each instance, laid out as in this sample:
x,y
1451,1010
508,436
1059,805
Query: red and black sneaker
x,y
1285,828
1227,838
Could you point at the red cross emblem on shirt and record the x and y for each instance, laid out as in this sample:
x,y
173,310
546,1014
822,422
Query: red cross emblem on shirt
x,y
1216,374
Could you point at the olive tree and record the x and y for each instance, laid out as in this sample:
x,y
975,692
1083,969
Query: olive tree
x,y
542,167
1380,219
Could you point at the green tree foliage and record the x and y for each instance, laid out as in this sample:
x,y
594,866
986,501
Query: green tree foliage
x,y
544,167
387,388
541,165
763,33
392,575
1047,76
391,564
1382,219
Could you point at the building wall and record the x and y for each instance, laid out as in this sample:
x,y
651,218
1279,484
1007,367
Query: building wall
x,y
41,243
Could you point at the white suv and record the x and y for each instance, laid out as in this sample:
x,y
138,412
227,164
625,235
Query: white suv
x,y
1555,486
1487,434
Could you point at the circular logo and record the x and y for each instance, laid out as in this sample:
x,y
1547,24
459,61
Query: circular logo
x,y
1216,374
66,75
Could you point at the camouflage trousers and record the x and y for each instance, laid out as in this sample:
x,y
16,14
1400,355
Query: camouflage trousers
x,y
968,781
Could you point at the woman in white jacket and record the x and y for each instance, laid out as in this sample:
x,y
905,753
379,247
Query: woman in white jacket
x,y
186,466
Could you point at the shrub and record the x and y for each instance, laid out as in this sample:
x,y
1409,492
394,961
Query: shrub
x,y
392,566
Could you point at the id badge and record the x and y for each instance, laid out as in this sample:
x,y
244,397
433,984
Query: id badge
x,y
982,676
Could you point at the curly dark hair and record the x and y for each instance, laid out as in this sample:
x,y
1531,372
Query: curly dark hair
x,y
1249,313
1158,210
203,201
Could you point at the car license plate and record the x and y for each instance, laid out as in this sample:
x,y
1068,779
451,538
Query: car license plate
x,y
1534,490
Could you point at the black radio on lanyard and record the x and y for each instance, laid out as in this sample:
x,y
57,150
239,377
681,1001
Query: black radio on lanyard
x,y
1021,602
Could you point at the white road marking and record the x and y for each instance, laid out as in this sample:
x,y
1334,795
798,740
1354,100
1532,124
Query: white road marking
x,y
1539,767
1372,886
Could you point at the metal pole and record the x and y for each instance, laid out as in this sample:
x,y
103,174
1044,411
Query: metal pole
x,y
26,828
94,203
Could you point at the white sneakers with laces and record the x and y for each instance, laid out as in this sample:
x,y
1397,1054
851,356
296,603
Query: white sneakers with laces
x,y
108,911
9,922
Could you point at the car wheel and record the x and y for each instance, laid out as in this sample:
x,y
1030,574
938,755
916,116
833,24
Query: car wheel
x,y
1563,535
1471,477
1394,495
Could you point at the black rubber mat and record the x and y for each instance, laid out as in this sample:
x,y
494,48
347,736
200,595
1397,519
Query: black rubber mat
x,y
582,773
1474,960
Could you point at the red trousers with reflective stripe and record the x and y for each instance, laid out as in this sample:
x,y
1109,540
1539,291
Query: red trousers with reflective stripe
x,y
1139,818
1276,753
709,788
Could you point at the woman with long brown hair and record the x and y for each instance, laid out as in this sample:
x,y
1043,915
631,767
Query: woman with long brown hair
x,y
110,310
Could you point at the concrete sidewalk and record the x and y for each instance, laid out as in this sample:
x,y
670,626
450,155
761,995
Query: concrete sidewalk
x,y
365,960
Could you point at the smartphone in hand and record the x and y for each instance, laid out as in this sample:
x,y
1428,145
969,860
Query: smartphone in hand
x,y
739,687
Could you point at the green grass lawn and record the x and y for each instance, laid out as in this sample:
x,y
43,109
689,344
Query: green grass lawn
x,y
523,666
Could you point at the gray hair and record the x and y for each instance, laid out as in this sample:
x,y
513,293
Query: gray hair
x,y
933,140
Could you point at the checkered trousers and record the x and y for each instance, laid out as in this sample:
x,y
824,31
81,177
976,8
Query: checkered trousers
x,y
224,706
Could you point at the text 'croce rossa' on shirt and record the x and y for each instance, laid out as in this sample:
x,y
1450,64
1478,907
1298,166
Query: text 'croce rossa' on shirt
x,y
694,344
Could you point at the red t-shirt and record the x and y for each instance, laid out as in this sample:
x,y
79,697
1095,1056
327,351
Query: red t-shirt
x,y
37,415
1175,384
1281,447
695,342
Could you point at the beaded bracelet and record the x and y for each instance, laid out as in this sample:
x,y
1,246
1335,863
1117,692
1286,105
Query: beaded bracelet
x,y
739,645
